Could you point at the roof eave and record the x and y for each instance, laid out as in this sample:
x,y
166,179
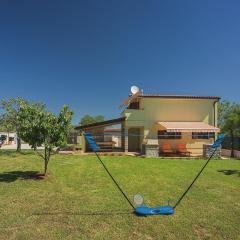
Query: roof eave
x,y
101,124
178,96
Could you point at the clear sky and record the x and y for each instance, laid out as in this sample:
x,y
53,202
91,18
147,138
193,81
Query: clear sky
x,y
88,53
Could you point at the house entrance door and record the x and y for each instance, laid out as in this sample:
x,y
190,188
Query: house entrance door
x,y
134,139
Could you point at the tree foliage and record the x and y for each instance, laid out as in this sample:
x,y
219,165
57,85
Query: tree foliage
x,y
8,120
88,119
42,128
229,120
5,125
224,109
10,110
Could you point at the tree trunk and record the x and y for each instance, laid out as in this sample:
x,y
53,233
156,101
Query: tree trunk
x,y
19,144
45,167
46,159
232,144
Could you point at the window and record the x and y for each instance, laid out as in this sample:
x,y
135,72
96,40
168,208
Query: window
x,y
134,105
203,135
3,137
169,135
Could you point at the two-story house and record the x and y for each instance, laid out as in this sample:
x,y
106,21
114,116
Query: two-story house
x,y
166,119
171,119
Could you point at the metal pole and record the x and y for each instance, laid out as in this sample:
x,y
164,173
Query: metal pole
x,y
180,199
119,188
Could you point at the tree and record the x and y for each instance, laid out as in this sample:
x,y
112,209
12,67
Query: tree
x,y
72,135
42,128
99,118
229,121
224,109
5,124
8,118
87,119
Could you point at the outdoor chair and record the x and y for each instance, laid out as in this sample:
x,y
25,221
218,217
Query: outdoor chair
x,y
166,149
183,150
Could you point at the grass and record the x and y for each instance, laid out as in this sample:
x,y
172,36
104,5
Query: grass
x,y
79,201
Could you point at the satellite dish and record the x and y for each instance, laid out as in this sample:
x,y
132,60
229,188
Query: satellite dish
x,y
134,89
135,93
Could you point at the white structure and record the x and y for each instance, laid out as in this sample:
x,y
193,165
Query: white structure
x,y
113,135
8,138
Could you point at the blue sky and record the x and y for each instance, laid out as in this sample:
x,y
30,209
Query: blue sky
x,y
88,53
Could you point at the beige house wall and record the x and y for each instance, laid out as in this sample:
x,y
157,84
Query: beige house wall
x,y
153,110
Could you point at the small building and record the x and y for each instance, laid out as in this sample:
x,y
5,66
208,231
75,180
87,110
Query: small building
x,y
8,137
170,121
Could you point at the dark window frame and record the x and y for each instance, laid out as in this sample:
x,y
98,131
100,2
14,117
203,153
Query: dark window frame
x,y
203,135
163,134
134,105
3,137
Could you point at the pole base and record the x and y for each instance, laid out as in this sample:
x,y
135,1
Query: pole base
x,y
161,210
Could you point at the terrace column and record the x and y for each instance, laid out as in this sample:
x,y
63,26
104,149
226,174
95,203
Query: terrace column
x,y
124,137
126,140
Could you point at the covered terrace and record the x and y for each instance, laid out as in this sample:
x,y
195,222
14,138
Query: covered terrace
x,y
108,134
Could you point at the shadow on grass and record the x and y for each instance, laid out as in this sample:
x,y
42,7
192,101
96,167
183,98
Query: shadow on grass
x,y
230,172
14,153
20,175
8,153
88,213
26,152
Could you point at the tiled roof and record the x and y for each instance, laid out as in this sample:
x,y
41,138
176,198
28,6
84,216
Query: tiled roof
x,y
101,124
178,96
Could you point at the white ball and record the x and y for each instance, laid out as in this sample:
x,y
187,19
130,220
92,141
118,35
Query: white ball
x,y
138,199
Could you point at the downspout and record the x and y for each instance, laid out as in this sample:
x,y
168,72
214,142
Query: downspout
x,y
214,114
84,144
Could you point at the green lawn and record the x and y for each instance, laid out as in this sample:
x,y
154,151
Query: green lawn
x,y
71,202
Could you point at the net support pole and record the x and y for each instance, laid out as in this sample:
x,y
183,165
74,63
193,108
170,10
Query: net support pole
x,y
119,188
194,180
